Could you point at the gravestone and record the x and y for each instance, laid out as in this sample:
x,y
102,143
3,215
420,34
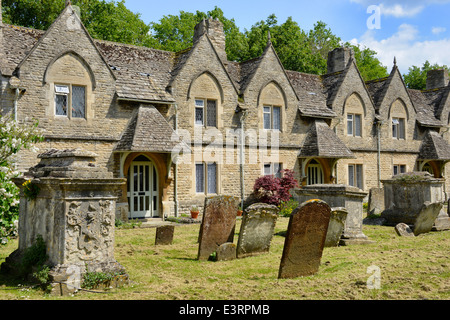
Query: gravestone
x,y
442,222
164,235
336,226
258,223
427,216
305,240
226,251
218,224
404,230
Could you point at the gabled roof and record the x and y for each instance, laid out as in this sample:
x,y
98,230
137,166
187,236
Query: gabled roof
x,y
434,147
426,104
148,131
323,142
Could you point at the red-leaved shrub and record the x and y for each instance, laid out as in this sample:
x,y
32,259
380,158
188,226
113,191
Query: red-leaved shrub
x,y
273,190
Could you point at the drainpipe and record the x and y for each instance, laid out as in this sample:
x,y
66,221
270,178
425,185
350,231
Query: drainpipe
x,y
175,173
378,124
242,154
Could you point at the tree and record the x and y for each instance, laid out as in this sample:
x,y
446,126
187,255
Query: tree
x,y
369,66
416,78
105,20
13,138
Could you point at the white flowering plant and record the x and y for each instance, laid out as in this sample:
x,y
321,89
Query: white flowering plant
x,y
14,137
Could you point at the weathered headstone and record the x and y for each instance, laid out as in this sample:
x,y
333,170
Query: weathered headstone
x,y
442,222
305,239
218,224
426,218
257,228
376,201
336,226
404,230
226,251
164,235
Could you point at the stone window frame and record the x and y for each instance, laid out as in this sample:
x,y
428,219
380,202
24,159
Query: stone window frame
x,y
205,183
398,120
355,183
272,166
204,107
354,109
400,168
398,128
69,115
318,177
272,127
354,125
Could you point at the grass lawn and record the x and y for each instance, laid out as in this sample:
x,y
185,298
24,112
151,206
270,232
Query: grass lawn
x,y
411,268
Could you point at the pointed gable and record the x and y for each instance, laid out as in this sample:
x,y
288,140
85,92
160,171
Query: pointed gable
x,y
434,147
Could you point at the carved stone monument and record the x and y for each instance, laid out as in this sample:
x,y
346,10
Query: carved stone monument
x,y
305,240
218,224
257,228
336,227
73,210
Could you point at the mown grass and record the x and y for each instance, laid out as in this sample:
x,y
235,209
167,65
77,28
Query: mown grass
x,y
411,268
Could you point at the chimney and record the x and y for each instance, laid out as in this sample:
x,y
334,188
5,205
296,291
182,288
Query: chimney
x,y
214,29
338,59
437,78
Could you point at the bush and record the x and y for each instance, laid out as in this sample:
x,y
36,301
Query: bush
x,y
273,190
286,207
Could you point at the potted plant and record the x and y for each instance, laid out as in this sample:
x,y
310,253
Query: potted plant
x,y
194,212
239,211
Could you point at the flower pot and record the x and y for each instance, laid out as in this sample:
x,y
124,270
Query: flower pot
x,y
194,214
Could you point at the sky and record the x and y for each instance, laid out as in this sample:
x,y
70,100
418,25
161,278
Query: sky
x,y
412,31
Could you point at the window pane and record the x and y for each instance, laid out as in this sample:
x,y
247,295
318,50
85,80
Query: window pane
x,y
199,116
402,169
394,129
350,124
62,89
401,128
267,118
359,176
61,105
358,125
212,178
267,169
199,103
78,102
211,113
199,178
277,168
351,172
395,170
276,118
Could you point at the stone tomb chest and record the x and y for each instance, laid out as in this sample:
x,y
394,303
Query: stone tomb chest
x,y
73,211
340,196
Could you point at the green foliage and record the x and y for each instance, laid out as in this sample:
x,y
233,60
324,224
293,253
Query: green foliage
x,y
34,256
13,138
369,66
286,207
91,280
416,78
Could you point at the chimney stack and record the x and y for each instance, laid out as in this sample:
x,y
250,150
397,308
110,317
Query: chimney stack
x,y
214,29
338,59
437,78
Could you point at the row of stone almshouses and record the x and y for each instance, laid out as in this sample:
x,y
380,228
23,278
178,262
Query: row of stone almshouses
x,y
124,102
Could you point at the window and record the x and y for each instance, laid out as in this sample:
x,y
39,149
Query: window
x,y
398,128
206,116
399,168
206,178
273,169
355,175
272,118
354,125
70,101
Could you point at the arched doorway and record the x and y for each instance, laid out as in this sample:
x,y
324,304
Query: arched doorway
x,y
314,173
143,188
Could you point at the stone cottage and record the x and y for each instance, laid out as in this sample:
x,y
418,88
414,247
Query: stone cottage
x,y
171,123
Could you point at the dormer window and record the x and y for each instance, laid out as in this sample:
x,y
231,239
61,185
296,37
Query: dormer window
x,y
70,101
398,128
205,112
354,125
272,117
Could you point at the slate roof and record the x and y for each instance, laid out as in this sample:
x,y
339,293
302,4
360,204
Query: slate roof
x,y
323,142
434,147
312,94
149,131
427,104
